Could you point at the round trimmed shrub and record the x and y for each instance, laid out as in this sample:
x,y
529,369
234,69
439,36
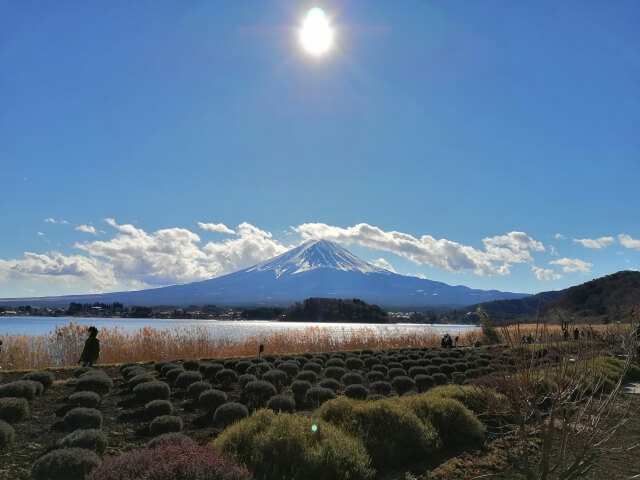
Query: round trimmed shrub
x,y
84,418
167,367
132,371
13,409
99,383
460,366
280,446
356,391
229,413
424,382
135,364
335,362
169,461
371,361
392,434
281,403
316,396
90,439
380,368
440,378
415,371
331,383
396,372
352,378
354,363
186,378
232,362
210,400
154,390
226,377
191,365
259,369
133,382
209,371
300,387
246,378
291,368
402,384
393,365
82,370
44,377
313,367
458,378
65,464
455,423
196,388
334,372
241,367
407,364
267,357
158,366
307,376
84,399
7,434
375,376
256,394
19,389
381,387
171,438
165,424
433,369
447,369
278,378
173,374
157,408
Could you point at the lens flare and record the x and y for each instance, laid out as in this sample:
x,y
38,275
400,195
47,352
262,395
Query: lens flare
x,y
316,35
314,428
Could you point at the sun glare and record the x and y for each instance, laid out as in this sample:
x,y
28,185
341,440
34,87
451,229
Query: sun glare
x,y
316,35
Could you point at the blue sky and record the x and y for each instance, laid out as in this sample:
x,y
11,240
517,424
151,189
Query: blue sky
x,y
492,144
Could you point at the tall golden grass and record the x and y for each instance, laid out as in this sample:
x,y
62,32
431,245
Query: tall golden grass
x,y
64,345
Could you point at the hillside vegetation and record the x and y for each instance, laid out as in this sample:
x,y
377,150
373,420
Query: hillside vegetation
x,y
335,310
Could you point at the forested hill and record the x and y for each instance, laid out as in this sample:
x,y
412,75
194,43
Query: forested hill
x,y
335,310
610,295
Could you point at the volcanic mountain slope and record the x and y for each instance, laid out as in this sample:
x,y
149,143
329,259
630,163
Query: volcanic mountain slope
x,y
314,269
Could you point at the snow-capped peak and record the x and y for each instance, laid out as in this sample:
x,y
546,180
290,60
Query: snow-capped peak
x,y
316,254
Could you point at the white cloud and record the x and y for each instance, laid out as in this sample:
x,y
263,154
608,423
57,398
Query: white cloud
x,y
559,236
553,251
629,242
499,254
597,243
216,227
50,220
545,274
572,265
418,275
40,234
87,229
173,255
382,263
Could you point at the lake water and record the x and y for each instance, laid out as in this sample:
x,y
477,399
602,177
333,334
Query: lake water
x,y
232,330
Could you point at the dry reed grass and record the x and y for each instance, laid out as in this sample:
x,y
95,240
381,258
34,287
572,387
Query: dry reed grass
x,y
63,346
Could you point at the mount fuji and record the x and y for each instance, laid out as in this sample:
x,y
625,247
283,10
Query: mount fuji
x,y
314,269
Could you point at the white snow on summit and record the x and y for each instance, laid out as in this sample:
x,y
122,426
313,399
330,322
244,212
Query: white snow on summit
x,y
316,254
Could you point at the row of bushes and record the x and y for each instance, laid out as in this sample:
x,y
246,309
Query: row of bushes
x,y
346,438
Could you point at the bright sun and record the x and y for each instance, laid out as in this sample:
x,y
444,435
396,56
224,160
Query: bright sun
x,y
316,35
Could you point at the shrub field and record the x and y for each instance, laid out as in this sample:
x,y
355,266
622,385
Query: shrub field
x,y
359,414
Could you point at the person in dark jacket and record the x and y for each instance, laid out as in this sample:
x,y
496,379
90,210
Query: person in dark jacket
x,y
91,350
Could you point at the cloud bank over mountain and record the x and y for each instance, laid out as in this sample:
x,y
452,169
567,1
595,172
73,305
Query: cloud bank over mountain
x,y
128,257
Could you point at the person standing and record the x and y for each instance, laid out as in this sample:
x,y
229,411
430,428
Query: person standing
x,y
91,350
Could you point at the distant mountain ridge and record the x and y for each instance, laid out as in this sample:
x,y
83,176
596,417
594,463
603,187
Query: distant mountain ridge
x,y
608,295
314,269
